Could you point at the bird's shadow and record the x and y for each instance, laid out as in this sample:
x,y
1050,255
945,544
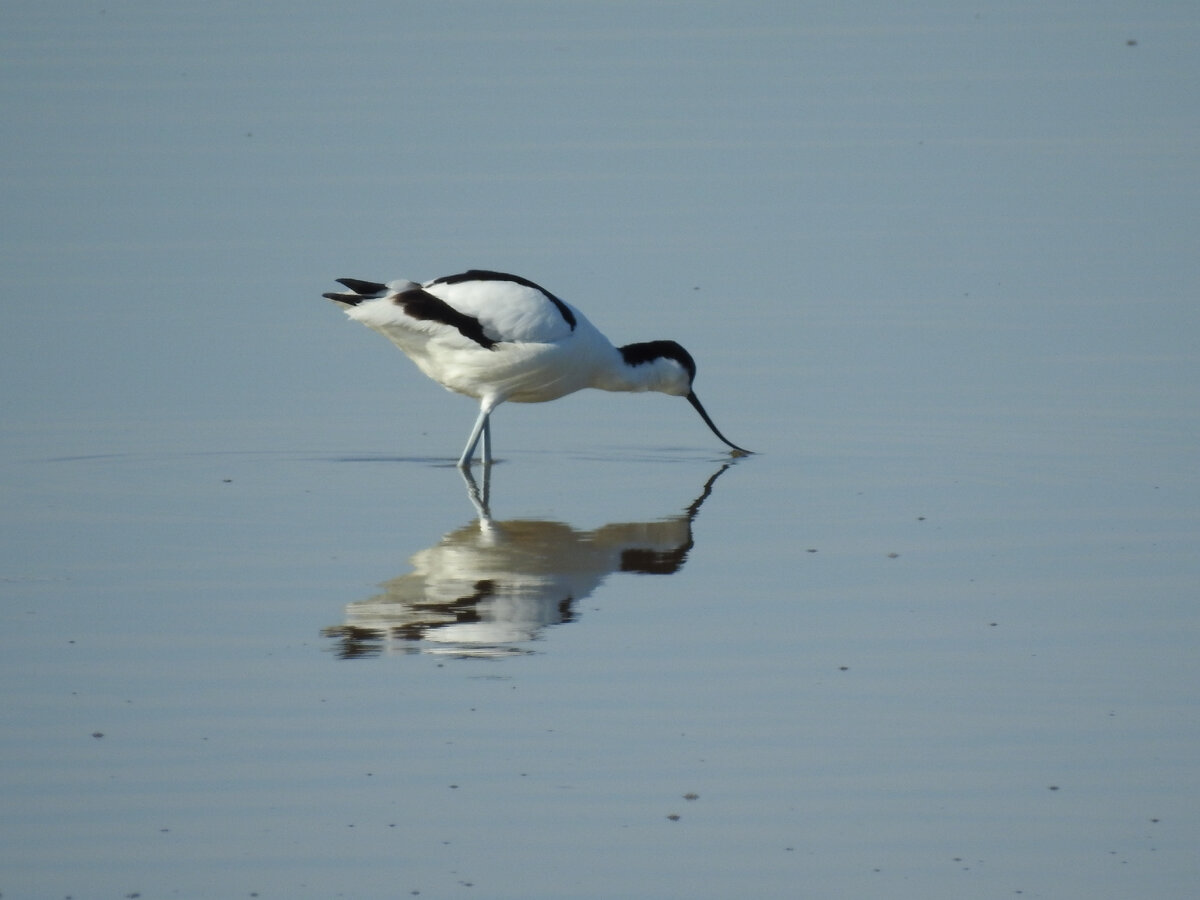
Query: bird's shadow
x,y
491,587
432,461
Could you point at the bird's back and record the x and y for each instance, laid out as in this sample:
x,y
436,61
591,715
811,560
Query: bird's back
x,y
484,333
507,307
472,310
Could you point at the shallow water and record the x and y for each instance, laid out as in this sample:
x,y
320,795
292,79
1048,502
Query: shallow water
x,y
935,639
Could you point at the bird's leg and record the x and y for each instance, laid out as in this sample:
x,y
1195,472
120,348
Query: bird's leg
x,y
479,499
480,425
487,442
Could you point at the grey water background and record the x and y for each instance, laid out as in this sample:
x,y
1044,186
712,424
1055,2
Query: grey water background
x,y
937,263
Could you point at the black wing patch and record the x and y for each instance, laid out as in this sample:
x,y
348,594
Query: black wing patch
x,y
426,307
486,275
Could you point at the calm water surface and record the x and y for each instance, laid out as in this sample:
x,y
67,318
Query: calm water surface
x,y
936,639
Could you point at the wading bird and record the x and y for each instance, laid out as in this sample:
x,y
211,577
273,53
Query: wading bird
x,y
500,338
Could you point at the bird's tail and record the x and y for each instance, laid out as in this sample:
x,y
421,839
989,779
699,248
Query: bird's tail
x,y
359,291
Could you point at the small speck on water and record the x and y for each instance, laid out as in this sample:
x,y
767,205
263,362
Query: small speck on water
x,y
674,817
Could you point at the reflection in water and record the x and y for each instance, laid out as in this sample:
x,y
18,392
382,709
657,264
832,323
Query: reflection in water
x,y
489,586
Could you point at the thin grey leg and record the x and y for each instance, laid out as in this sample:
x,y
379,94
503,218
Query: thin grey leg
x,y
481,425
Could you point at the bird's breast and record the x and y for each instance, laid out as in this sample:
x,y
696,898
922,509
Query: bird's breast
x,y
508,371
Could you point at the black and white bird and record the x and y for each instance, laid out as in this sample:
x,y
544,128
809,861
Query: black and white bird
x,y
500,338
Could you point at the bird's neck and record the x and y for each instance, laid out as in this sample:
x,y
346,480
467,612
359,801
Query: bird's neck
x,y
655,375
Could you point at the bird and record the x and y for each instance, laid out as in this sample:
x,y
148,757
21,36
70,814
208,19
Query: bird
x,y
502,338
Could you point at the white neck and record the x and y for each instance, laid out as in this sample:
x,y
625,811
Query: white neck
x,y
664,375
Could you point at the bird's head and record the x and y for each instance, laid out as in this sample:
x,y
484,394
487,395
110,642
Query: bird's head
x,y
661,366
671,370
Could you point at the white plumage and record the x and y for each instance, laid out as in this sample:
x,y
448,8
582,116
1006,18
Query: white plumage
x,y
499,337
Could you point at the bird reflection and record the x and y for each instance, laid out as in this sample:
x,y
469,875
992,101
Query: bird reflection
x,y
490,587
